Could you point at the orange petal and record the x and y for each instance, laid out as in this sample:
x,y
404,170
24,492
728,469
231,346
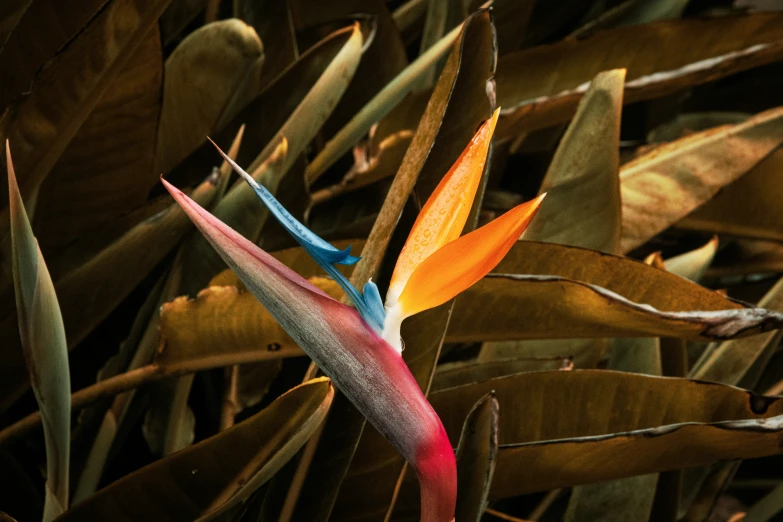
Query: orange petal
x,y
458,265
443,217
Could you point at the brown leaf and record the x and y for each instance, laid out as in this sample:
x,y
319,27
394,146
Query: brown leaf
x,y
748,207
540,87
107,168
666,184
582,207
219,473
631,423
223,324
272,21
476,454
35,32
69,86
572,292
450,375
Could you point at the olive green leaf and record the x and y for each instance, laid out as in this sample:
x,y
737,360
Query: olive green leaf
x,y
212,74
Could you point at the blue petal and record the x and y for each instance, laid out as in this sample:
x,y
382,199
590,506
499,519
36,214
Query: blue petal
x,y
369,305
368,311
301,233
374,302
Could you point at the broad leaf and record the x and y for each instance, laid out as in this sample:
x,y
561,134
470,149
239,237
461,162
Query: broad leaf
x,y
226,325
211,75
450,375
70,85
34,34
570,292
666,184
758,216
633,423
582,207
107,169
218,473
540,87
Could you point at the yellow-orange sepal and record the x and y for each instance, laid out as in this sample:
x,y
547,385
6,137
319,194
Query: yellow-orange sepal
x,y
461,263
443,216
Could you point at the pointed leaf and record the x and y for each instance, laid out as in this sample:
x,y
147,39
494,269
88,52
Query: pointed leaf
x,y
582,184
319,103
692,265
90,289
218,473
45,350
476,453
383,56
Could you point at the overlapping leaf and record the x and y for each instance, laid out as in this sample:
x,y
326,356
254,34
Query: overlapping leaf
x,y
634,423
569,292
89,291
540,87
217,474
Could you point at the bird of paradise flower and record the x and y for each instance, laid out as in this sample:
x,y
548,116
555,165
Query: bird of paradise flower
x,y
360,349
